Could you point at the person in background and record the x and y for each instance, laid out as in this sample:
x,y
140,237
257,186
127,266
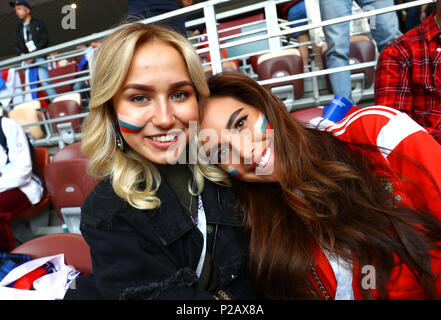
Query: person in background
x,y
19,186
384,29
408,77
412,17
31,35
347,210
142,9
292,11
199,29
84,62
155,227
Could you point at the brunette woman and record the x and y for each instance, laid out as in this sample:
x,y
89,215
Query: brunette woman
x,y
346,210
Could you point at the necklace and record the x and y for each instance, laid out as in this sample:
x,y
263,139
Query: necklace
x,y
193,214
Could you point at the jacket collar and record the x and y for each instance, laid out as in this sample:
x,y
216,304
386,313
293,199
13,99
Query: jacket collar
x,y
430,28
220,205
172,222
30,22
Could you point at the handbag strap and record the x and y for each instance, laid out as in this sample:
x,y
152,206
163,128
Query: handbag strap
x,y
319,284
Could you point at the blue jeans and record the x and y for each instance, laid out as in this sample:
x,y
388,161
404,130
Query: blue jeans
x,y
43,74
297,12
85,95
384,29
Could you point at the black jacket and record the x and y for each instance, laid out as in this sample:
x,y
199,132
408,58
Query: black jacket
x,y
39,36
153,254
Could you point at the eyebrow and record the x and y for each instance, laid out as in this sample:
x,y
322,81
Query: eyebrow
x,y
233,117
144,87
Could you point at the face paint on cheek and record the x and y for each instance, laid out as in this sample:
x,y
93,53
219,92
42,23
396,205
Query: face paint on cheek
x,y
235,173
129,125
262,124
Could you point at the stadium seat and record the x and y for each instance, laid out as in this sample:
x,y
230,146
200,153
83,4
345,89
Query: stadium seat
x,y
33,104
362,49
253,62
242,28
65,108
307,114
75,96
75,249
67,129
280,64
41,161
239,29
69,184
69,68
26,113
69,152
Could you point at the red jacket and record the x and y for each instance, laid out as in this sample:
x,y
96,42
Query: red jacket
x,y
399,135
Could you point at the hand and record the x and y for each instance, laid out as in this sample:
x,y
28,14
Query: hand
x,y
187,3
28,61
423,13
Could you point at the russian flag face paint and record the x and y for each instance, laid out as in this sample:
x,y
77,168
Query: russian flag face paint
x,y
129,125
235,173
262,124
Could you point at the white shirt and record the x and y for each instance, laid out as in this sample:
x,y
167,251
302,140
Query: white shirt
x,y
25,35
343,276
202,226
18,172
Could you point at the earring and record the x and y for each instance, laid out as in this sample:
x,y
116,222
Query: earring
x,y
119,141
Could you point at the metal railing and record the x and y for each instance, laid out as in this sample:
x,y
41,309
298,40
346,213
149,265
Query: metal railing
x,y
271,32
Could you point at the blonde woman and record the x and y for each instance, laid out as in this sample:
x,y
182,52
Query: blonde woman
x,y
155,228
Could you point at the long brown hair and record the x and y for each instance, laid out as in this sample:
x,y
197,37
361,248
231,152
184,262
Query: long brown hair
x,y
332,195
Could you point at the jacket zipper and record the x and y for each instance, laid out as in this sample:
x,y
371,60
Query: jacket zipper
x,y
319,284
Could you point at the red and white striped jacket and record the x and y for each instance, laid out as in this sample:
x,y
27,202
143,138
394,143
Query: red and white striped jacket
x,y
410,151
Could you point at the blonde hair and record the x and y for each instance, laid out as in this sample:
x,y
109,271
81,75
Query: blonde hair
x,y
133,177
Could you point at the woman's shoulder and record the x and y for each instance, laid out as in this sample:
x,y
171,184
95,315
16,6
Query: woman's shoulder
x,y
374,121
382,126
102,190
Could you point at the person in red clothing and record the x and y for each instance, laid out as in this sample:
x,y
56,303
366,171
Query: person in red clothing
x,y
408,77
346,210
